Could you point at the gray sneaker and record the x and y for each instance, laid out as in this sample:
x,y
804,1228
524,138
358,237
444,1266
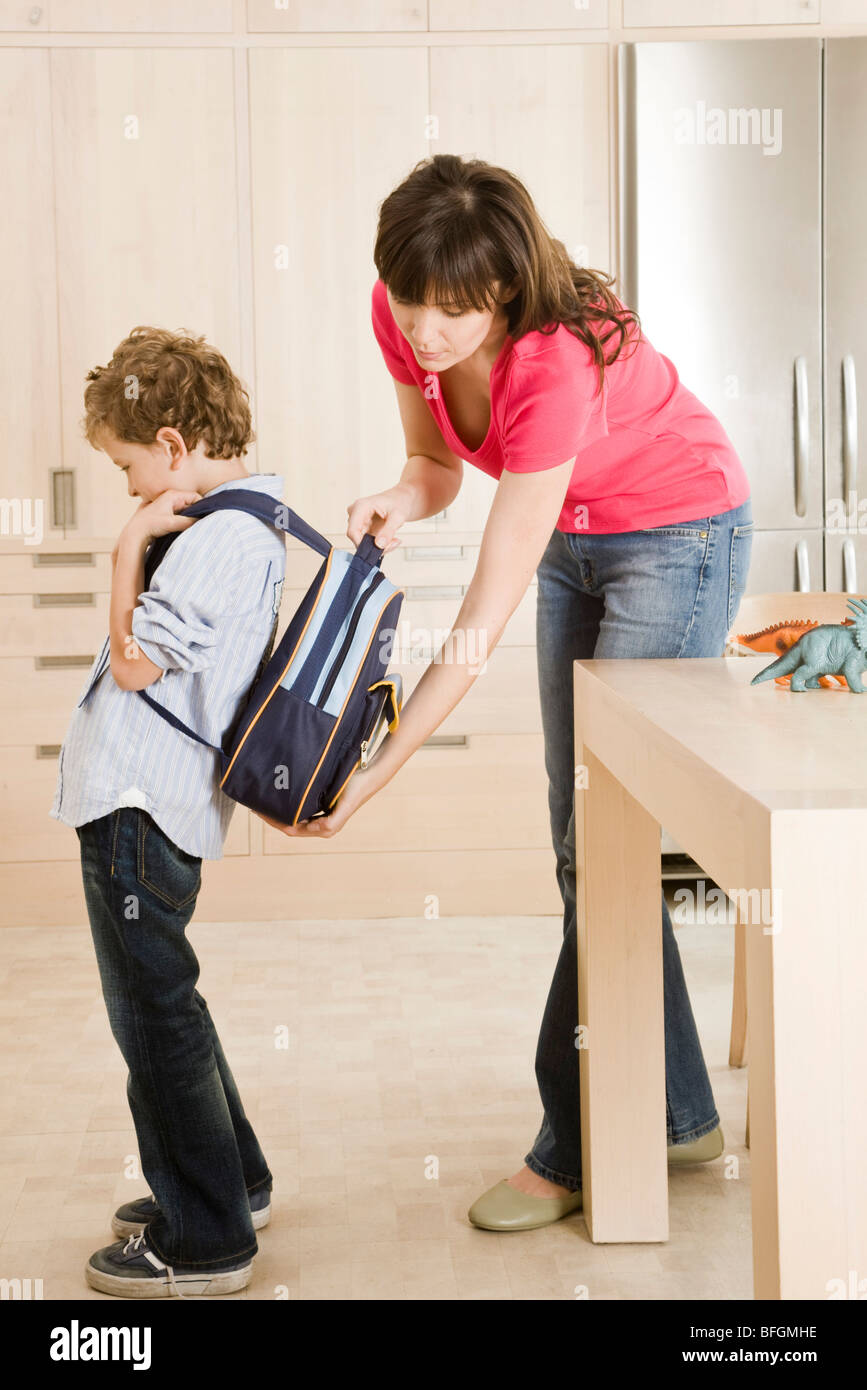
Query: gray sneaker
x,y
132,1217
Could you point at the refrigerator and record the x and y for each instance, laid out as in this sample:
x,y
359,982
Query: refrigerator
x,y
743,246
742,232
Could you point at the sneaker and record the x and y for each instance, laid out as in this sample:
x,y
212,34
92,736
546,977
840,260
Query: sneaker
x,y
132,1217
130,1269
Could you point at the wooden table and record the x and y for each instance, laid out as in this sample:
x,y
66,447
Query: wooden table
x,y
768,792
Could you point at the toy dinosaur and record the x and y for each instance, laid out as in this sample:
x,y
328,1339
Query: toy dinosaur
x,y
838,649
778,638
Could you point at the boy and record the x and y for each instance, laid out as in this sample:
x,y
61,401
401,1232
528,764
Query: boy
x,y
146,803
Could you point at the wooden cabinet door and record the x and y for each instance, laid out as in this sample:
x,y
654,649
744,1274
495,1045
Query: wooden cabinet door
x,y
332,132
147,225
30,432
540,111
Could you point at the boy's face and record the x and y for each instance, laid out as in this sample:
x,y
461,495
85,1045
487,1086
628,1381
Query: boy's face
x,y
150,468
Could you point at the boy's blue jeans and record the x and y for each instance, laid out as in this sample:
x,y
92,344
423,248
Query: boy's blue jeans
x,y
197,1148
669,591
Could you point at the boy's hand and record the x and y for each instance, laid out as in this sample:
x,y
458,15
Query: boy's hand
x,y
159,517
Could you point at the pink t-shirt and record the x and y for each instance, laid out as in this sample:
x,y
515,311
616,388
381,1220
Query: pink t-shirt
x,y
647,452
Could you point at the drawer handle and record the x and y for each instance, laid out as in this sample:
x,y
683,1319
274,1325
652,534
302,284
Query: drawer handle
x,y
53,663
423,591
64,600
446,741
434,552
48,750
45,557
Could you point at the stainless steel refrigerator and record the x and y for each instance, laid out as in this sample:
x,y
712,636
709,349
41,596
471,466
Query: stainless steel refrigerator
x,y
743,246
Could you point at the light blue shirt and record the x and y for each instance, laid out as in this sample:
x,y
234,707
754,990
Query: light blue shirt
x,y
207,619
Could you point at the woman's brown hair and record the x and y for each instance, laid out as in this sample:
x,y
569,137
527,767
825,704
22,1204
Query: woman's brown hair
x,y
454,227
156,378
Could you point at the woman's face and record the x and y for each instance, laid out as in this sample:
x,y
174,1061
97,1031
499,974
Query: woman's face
x,y
440,337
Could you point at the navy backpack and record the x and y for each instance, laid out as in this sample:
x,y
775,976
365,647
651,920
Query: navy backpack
x,y
316,706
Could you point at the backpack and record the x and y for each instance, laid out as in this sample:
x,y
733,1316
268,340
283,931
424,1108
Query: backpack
x,y
316,706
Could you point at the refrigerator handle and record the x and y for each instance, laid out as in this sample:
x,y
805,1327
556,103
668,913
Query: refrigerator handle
x,y
850,429
850,574
802,436
802,567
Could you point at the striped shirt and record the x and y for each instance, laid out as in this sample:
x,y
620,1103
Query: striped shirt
x,y
208,618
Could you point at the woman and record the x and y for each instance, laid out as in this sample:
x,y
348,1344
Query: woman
x,y
617,487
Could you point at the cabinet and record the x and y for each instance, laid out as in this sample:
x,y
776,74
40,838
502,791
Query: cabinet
x,y
147,226
335,16
650,13
332,130
538,111
29,359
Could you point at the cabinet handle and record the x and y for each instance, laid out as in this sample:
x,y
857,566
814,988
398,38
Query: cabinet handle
x,y
850,577
53,663
802,566
850,428
434,552
802,435
63,497
50,557
446,741
48,750
425,591
64,600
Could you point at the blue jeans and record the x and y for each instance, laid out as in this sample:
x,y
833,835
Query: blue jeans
x,y
197,1148
667,591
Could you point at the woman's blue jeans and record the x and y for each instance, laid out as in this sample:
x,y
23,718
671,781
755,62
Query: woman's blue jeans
x,y
197,1148
668,591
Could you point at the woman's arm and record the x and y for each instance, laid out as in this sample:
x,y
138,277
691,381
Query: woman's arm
x,y
523,515
430,480
524,512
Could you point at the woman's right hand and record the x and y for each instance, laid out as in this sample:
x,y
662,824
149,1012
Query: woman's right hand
x,y
382,514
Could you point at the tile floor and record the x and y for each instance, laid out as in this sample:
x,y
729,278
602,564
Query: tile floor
x,y
407,1041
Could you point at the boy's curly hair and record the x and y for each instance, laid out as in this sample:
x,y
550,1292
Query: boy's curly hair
x,y
156,378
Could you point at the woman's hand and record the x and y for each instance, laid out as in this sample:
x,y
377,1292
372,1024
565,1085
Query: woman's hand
x,y
391,508
362,785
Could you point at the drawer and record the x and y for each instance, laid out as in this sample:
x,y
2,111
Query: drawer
x,y
56,571
37,702
457,883
55,623
488,793
427,615
421,558
29,833
503,699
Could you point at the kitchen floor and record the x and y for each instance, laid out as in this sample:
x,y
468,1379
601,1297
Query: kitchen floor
x,y
387,1067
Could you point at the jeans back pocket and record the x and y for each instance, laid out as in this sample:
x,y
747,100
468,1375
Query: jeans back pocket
x,y
166,870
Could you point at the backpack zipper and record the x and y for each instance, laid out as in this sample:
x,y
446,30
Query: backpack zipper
x,y
347,642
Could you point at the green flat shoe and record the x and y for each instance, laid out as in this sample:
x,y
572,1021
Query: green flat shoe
x,y
504,1208
702,1150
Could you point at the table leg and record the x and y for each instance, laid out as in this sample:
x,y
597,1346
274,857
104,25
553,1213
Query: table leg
x,y
622,1062
807,1034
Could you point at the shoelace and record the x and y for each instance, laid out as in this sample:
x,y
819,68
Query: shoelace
x,y
134,1244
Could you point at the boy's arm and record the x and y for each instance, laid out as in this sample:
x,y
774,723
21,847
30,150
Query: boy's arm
x,y
132,670
174,624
